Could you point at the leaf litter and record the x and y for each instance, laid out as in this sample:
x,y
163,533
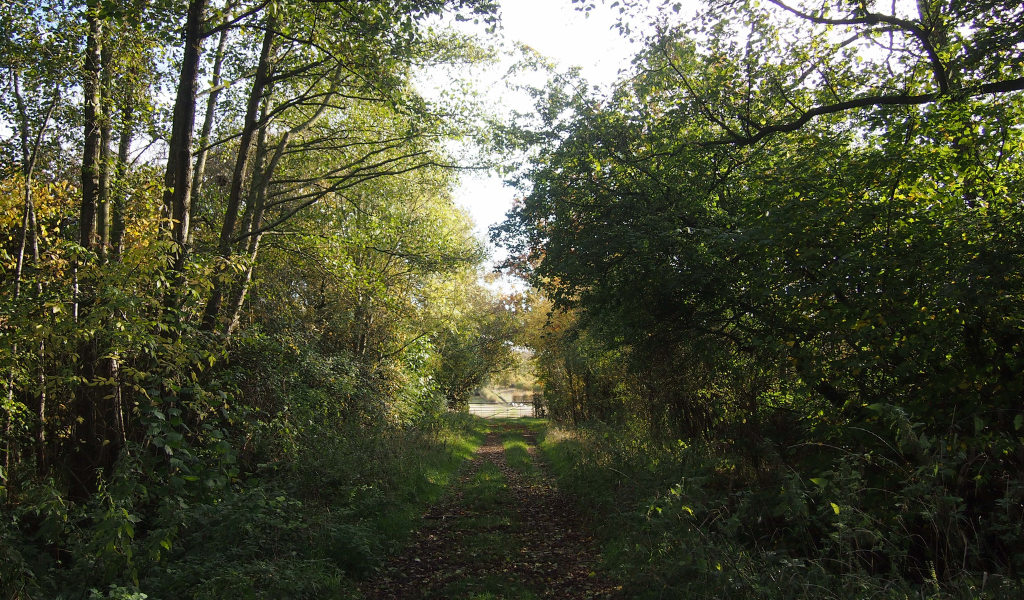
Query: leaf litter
x,y
502,534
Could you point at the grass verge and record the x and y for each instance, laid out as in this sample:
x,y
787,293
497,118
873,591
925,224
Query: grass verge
x,y
425,476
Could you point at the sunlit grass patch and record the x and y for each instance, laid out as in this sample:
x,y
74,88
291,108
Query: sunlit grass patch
x,y
553,435
561,450
534,424
462,435
517,453
421,472
487,490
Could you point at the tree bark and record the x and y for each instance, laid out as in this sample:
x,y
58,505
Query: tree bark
x,y
103,198
92,116
120,199
251,124
88,451
178,177
29,157
204,136
262,185
26,165
259,159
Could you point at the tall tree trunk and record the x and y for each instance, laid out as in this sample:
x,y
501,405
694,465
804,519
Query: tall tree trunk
x,y
88,451
42,457
204,136
9,434
249,128
178,177
103,198
120,199
119,206
254,209
92,113
29,157
107,367
253,226
260,161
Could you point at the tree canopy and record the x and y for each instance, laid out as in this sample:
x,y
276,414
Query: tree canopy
x,y
794,224
227,239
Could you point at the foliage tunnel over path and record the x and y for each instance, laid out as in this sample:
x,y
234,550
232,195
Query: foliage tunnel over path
x,y
795,234
228,253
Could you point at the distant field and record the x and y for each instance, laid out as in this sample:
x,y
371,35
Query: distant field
x,y
496,411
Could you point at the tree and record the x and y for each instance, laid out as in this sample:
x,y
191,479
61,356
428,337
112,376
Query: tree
x,y
325,71
641,213
479,343
780,238
830,58
323,112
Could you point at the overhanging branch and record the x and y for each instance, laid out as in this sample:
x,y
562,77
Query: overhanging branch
x,y
1000,87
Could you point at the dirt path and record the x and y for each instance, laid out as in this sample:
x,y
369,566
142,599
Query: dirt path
x,y
504,534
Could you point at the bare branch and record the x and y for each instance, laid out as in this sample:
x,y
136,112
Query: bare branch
x,y
236,20
870,18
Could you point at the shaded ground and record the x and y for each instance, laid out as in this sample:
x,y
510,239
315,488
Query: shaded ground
x,y
504,534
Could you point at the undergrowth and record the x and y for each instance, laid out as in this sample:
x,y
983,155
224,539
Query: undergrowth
x,y
683,520
302,528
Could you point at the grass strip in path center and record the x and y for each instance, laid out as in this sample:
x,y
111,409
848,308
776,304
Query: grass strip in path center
x,y
504,534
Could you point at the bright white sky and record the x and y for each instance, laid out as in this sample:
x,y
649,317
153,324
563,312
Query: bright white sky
x,y
556,30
